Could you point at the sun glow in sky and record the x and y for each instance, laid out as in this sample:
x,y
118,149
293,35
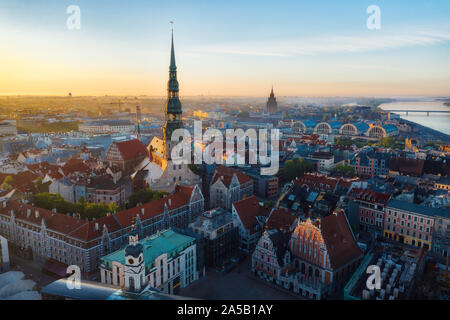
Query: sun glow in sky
x,y
233,47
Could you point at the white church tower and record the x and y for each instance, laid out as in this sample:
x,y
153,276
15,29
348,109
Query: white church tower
x,y
134,272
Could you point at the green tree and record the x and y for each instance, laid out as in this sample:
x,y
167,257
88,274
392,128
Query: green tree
x,y
8,183
343,141
390,142
112,207
144,196
85,209
344,169
295,168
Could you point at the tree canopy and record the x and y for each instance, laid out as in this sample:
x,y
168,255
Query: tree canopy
x,y
144,196
85,209
390,142
50,127
295,168
7,183
344,169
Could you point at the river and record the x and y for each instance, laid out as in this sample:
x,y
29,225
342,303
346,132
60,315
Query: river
x,y
436,121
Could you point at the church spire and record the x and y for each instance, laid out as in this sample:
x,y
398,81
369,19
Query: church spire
x,y
173,66
173,104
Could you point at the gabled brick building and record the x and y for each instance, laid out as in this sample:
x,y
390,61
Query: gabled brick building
x,y
227,186
251,217
126,155
271,259
371,208
324,254
73,241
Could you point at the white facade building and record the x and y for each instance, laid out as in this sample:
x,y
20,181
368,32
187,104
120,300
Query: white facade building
x,y
165,261
4,255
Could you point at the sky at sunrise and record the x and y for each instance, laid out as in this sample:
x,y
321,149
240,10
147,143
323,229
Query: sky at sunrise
x,y
234,48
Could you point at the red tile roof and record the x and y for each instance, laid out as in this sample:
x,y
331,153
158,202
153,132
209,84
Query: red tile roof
x,y
280,219
84,230
55,175
226,174
75,165
341,245
369,195
43,168
346,183
337,236
55,221
248,209
22,181
314,181
179,198
88,230
131,149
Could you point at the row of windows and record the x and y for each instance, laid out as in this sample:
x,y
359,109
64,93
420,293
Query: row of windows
x,y
408,216
419,235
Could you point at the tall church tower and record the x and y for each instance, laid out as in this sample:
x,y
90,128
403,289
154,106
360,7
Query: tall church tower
x,y
272,106
161,173
173,106
134,272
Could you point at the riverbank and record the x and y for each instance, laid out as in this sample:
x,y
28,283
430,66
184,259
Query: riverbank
x,y
426,133
428,128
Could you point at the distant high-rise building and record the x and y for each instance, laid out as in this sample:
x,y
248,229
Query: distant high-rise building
x,y
272,106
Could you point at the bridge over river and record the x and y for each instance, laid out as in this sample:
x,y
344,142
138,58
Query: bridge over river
x,y
414,110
